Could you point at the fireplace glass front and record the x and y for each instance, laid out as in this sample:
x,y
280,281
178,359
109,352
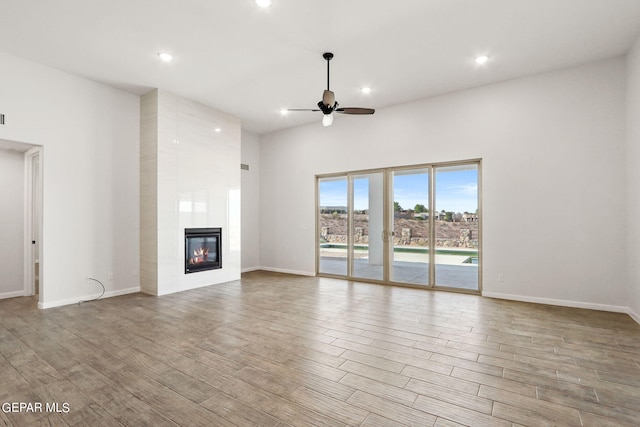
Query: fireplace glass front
x,y
202,249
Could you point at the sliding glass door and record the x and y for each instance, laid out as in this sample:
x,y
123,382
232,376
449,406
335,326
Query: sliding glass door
x,y
368,226
456,226
417,226
410,252
333,225
350,225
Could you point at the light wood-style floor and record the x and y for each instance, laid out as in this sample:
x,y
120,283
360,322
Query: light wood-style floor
x,y
278,350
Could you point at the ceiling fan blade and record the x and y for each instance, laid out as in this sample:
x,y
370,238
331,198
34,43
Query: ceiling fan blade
x,y
303,109
355,110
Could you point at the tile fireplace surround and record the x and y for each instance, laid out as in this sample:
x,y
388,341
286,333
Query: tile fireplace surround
x,y
189,178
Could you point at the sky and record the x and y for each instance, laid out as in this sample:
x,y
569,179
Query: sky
x,y
456,190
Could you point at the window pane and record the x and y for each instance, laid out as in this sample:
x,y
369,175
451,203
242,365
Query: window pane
x,y
332,225
456,226
368,224
410,226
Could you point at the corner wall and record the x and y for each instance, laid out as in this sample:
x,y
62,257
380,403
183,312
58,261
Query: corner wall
x,y
250,201
553,151
90,176
633,179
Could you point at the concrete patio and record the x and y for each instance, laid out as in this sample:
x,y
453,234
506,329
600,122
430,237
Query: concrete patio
x,y
459,276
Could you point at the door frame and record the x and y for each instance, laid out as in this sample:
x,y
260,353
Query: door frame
x,y
388,223
33,219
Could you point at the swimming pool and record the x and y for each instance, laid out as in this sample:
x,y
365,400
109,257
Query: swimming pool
x,y
472,254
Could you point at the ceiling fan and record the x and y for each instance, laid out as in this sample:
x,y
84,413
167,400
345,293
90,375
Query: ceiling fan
x,y
329,105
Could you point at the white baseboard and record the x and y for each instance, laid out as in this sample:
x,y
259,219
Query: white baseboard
x,y
287,271
634,315
564,303
246,270
12,294
77,300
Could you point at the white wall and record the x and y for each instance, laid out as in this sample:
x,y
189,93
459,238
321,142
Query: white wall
x,y
90,135
250,201
633,178
553,150
11,223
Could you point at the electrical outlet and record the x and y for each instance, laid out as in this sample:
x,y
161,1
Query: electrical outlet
x,y
110,276
500,277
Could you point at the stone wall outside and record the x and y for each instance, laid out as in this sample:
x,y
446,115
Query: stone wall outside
x,y
407,232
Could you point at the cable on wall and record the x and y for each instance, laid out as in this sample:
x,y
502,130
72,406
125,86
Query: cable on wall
x,y
100,296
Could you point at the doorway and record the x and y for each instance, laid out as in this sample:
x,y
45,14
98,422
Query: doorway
x,y
414,226
21,227
33,222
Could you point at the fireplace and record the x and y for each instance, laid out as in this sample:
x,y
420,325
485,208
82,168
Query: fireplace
x,y
202,248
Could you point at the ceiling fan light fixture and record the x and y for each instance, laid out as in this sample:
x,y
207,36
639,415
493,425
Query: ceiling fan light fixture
x,y
327,120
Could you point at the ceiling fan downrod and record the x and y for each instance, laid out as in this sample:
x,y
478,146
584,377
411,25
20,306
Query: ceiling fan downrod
x,y
328,56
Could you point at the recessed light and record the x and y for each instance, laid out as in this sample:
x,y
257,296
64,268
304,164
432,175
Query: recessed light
x,y
366,90
166,57
284,111
263,3
481,60
218,130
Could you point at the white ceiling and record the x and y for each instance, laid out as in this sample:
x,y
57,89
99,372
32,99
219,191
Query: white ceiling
x,y
251,62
